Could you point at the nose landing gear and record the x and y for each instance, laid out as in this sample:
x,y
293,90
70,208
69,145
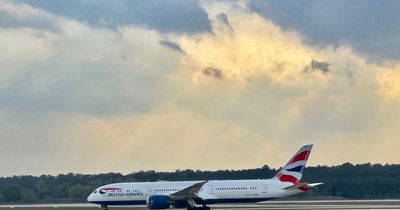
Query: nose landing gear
x,y
104,207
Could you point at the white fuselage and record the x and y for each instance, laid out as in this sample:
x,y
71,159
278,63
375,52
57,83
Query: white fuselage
x,y
216,191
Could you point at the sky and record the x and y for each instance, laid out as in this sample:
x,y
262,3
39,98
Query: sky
x,y
122,86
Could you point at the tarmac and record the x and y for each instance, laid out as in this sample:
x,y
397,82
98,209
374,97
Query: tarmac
x,y
280,205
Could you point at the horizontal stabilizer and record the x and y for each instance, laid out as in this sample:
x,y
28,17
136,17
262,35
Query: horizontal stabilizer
x,y
315,184
302,186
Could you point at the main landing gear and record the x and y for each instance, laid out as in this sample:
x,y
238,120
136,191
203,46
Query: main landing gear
x,y
192,205
199,208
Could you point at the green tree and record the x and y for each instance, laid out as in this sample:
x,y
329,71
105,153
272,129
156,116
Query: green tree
x,y
28,196
360,181
12,193
78,191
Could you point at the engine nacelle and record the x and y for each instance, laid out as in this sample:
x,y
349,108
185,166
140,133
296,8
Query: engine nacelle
x,y
158,202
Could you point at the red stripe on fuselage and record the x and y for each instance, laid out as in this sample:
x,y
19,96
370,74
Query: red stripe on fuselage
x,y
111,188
302,156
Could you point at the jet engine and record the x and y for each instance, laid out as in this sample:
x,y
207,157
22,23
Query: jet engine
x,y
158,202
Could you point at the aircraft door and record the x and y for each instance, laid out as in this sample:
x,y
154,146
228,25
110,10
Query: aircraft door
x,y
211,189
148,190
264,189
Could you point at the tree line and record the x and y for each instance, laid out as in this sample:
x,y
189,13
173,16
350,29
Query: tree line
x,y
361,181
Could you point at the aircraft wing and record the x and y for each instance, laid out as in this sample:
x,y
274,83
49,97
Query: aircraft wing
x,y
189,192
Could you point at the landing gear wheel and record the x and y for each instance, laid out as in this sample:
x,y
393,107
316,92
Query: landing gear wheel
x,y
199,208
204,207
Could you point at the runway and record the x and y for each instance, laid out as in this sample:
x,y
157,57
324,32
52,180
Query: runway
x,y
280,205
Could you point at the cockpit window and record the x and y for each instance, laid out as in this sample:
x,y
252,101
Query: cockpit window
x,y
95,192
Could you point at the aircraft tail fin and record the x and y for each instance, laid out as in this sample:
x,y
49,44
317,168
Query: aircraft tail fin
x,y
293,170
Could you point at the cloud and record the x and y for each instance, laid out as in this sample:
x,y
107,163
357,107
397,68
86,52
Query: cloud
x,y
325,23
247,46
171,45
173,16
223,18
389,81
81,69
196,133
91,99
318,65
332,103
321,23
20,16
213,72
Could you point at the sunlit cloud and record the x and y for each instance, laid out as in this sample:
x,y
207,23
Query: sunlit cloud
x,y
243,46
389,81
244,94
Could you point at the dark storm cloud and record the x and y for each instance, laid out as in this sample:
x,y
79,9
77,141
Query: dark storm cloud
x,y
171,45
178,16
369,26
213,72
322,66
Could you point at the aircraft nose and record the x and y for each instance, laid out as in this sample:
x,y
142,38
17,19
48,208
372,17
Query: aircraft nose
x,y
90,198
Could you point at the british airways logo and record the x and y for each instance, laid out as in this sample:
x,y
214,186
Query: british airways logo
x,y
109,189
117,192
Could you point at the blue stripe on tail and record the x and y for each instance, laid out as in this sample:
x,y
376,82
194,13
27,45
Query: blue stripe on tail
x,y
296,169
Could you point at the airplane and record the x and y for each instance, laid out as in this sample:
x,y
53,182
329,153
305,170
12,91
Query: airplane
x,y
197,195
